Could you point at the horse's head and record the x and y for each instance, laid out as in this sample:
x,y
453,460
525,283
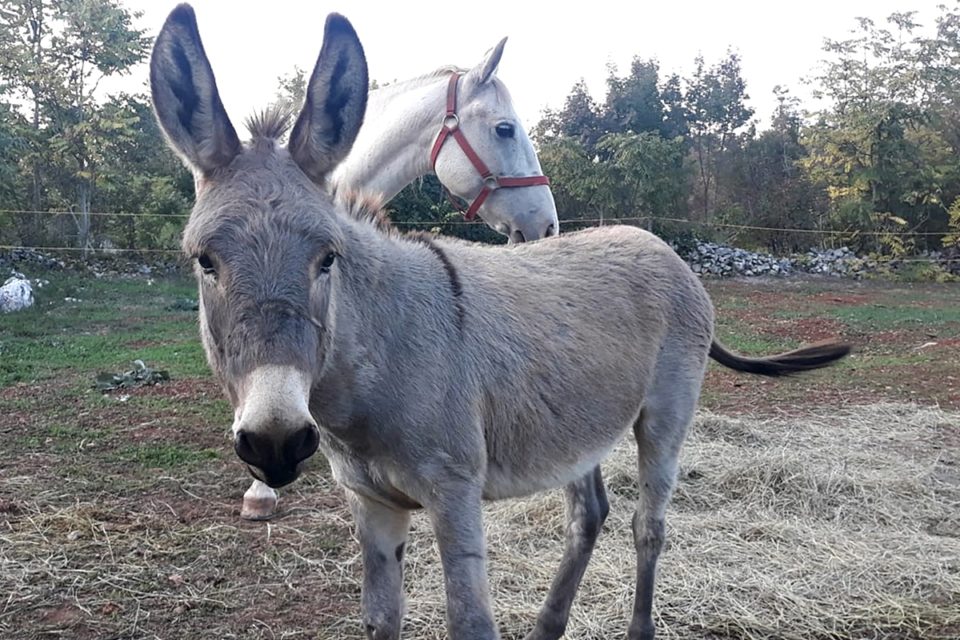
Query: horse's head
x,y
266,247
515,200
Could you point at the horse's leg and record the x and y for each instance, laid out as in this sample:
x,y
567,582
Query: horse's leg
x,y
383,535
587,508
660,432
458,524
259,502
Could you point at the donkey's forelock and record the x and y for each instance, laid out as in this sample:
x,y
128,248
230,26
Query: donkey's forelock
x,y
271,123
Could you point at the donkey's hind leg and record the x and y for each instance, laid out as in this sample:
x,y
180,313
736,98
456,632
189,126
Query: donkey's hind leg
x,y
660,432
259,502
587,508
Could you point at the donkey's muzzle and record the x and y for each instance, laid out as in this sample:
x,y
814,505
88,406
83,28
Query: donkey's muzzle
x,y
275,460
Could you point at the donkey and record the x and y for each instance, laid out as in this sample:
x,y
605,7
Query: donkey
x,y
423,389
406,135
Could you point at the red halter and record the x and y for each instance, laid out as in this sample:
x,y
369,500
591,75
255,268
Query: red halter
x,y
451,127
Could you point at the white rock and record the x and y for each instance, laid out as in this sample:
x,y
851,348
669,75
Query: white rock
x,y
16,294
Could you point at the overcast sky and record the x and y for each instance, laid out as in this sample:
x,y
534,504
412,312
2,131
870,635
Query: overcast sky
x,y
551,44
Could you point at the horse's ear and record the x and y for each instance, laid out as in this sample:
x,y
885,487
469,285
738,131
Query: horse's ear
x,y
335,103
185,96
485,70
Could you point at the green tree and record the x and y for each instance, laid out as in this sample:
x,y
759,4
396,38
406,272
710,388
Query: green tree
x,y
55,56
884,147
633,102
715,107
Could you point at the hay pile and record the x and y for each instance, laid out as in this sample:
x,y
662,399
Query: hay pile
x,y
840,525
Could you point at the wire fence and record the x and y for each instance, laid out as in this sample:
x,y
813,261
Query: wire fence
x,y
570,221
454,223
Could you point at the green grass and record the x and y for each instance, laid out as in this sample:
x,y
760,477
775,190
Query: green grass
x,y
102,331
892,317
167,456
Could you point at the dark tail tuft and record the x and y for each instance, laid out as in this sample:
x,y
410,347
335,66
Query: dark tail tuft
x,y
815,356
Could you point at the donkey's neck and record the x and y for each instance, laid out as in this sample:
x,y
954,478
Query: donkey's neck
x,y
393,147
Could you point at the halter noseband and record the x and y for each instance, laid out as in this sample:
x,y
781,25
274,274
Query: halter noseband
x,y
451,127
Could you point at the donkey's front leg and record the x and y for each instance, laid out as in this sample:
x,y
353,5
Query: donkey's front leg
x,y
383,535
259,502
458,525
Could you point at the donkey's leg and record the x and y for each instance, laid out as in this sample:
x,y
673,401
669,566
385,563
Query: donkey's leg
x,y
259,502
659,431
383,536
587,508
458,524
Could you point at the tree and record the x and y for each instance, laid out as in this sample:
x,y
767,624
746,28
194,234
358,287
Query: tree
x,y
580,119
715,107
633,102
55,56
883,147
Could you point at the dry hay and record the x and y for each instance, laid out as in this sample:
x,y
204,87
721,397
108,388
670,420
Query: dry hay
x,y
842,524
839,525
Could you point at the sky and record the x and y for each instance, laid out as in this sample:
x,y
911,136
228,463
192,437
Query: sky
x,y
551,45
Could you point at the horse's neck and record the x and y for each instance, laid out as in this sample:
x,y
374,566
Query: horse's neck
x,y
393,146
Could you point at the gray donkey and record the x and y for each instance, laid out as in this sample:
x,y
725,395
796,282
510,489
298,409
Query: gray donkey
x,y
423,388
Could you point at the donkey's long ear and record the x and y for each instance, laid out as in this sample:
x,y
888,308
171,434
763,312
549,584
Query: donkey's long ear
x,y
335,103
485,70
185,95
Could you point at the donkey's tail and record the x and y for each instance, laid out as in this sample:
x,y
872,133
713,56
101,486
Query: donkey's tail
x,y
815,356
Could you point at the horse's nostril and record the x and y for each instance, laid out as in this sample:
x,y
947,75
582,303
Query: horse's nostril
x,y
551,230
517,236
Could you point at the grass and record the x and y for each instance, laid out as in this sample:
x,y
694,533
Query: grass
x,y
876,317
823,507
97,332
167,456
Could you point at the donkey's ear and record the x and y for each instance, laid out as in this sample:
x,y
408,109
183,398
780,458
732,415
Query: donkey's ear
x,y
485,70
335,102
185,95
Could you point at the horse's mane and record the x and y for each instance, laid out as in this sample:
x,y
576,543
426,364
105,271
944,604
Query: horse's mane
x,y
423,79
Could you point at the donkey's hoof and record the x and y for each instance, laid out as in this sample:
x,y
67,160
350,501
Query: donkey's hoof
x,y
262,508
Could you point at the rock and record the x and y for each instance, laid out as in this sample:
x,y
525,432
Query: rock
x,y
16,294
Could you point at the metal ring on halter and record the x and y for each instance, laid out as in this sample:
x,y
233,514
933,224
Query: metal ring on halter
x,y
451,122
491,182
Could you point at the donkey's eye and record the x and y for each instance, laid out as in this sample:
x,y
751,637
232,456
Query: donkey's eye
x,y
327,262
505,130
206,264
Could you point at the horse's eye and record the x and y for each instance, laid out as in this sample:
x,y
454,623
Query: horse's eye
x,y
505,130
206,264
327,262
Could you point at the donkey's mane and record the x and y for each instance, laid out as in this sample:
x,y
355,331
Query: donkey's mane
x,y
270,123
369,209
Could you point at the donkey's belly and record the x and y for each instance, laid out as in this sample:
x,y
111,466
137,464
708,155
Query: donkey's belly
x,y
545,468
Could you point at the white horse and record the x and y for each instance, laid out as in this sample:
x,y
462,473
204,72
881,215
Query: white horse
x,y
435,123
425,125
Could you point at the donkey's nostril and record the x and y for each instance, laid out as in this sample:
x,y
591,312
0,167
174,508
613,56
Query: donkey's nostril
x,y
303,443
245,447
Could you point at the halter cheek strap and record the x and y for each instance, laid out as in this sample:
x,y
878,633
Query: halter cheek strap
x,y
451,127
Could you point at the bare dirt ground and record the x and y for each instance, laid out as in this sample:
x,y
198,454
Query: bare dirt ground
x,y
827,506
